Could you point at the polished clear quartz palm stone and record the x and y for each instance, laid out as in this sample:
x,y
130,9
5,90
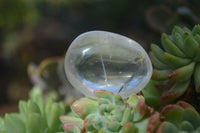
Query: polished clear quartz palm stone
x,y
99,60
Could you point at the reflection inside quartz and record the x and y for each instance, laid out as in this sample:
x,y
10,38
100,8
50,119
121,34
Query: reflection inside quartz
x,y
110,72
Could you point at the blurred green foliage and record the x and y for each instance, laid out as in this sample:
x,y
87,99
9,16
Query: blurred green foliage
x,y
15,13
31,30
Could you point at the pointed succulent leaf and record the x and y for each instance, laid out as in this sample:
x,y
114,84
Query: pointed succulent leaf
x,y
177,30
129,128
53,118
178,41
190,45
196,30
84,106
157,63
32,107
35,122
160,74
71,128
62,107
182,74
170,47
127,116
177,90
48,106
133,100
158,52
152,93
23,108
174,61
36,96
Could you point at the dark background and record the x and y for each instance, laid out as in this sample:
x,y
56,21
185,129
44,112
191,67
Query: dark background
x,y
32,30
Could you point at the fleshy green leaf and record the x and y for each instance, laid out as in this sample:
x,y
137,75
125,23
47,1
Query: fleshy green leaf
x,y
53,118
152,94
167,127
191,116
186,126
32,107
2,125
14,123
35,123
173,114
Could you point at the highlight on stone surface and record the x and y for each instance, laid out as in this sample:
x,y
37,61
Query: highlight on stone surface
x,y
99,60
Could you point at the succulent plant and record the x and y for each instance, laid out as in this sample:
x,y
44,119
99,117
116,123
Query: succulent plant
x,y
179,118
35,115
108,114
176,68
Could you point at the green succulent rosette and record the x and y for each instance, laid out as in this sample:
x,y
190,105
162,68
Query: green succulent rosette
x,y
176,67
35,116
179,118
108,114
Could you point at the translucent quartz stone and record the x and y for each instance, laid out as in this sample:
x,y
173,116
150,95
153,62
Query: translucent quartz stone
x,y
99,60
